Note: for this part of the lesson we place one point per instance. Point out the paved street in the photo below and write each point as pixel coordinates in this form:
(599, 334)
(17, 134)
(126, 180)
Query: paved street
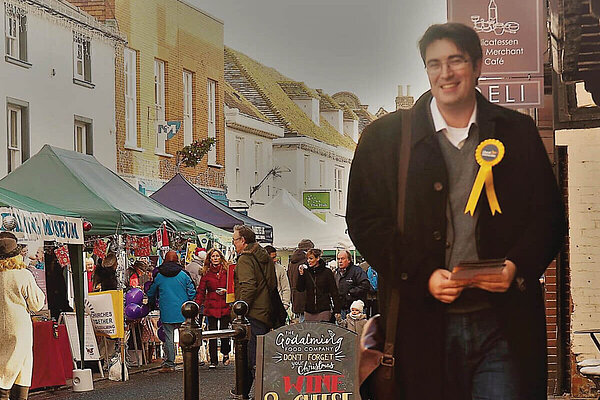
(151, 385)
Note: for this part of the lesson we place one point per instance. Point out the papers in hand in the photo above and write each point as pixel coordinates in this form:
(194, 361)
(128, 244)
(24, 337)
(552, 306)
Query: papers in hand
(469, 269)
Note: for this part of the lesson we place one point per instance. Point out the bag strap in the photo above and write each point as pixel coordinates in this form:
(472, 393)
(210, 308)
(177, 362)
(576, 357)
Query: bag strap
(387, 359)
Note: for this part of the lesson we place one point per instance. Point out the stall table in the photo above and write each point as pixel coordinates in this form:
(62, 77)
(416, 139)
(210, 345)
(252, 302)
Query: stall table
(52, 360)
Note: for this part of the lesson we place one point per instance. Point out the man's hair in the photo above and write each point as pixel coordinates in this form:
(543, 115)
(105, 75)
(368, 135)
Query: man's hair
(315, 252)
(306, 244)
(246, 233)
(464, 37)
(348, 255)
(171, 256)
(270, 249)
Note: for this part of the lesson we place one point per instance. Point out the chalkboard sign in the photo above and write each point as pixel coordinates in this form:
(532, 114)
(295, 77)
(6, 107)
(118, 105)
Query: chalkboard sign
(307, 361)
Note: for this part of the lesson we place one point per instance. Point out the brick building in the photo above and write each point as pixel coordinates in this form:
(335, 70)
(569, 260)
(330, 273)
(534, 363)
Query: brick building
(575, 37)
(170, 71)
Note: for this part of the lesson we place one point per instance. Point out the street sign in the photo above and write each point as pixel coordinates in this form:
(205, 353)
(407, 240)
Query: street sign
(316, 200)
(310, 360)
(513, 40)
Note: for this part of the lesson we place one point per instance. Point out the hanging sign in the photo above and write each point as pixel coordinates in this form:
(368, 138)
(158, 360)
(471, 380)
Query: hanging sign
(513, 39)
(32, 226)
(168, 128)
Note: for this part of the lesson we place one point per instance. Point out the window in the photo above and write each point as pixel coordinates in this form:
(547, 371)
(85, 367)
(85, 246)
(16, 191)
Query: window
(82, 59)
(306, 170)
(239, 145)
(17, 134)
(188, 136)
(82, 136)
(159, 103)
(338, 180)
(131, 138)
(257, 161)
(212, 126)
(15, 32)
(321, 173)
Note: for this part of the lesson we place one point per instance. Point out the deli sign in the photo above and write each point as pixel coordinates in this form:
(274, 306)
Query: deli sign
(513, 39)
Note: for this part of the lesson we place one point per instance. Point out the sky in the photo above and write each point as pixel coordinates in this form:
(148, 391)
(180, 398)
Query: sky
(368, 47)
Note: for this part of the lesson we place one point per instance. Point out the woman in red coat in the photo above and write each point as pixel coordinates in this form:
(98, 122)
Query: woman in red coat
(211, 293)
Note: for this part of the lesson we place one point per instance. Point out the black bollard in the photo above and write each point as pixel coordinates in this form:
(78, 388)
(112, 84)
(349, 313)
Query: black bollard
(241, 326)
(190, 338)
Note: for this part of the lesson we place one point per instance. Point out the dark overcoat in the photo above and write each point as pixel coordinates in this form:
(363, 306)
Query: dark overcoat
(529, 232)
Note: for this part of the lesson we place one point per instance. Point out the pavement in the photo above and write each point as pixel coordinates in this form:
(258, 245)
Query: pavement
(146, 383)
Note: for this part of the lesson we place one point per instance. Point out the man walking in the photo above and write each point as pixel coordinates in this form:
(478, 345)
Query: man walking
(352, 282)
(173, 287)
(480, 338)
(283, 284)
(298, 258)
(254, 274)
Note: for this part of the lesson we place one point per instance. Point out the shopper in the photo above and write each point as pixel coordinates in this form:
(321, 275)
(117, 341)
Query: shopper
(211, 294)
(19, 295)
(173, 287)
(319, 284)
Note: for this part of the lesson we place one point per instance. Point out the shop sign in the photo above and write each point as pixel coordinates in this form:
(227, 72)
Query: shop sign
(316, 200)
(309, 360)
(513, 40)
(32, 226)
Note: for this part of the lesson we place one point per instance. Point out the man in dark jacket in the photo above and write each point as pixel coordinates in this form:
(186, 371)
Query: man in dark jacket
(352, 282)
(298, 258)
(456, 339)
(254, 274)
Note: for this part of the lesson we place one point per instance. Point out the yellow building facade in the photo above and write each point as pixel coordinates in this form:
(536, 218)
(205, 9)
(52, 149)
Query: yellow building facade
(172, 73)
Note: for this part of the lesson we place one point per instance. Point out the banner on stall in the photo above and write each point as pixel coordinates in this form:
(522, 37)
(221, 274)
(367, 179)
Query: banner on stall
(32, 226)
(106, 311)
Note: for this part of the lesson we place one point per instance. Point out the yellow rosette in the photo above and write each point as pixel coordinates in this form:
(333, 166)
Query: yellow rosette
(489, 153)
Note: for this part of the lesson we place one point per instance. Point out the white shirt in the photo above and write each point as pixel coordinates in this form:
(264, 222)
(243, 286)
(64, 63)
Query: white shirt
(456, 136)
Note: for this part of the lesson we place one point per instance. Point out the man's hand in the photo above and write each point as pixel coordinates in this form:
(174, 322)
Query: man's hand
(443, 288)
(496, 283)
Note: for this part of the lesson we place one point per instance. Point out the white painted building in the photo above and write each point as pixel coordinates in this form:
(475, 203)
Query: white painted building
(57, 82)
(248, 158)
(315, 167)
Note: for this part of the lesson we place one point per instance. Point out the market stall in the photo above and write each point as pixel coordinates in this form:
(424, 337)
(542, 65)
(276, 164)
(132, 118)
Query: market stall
(120, 219)
(35, 224)
(292, 222)
(180, 195)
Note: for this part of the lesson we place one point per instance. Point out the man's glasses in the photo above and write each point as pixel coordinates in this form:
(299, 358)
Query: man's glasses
(234, 239)
(456, 63)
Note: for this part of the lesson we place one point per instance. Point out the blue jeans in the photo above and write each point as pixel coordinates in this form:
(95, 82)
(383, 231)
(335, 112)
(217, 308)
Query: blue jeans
(478, 363)
(169, 344)
(256, 328)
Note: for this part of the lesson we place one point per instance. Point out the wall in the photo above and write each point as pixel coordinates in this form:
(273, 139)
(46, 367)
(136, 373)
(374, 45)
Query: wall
(53, 98)
(583, 147)
(185, 38)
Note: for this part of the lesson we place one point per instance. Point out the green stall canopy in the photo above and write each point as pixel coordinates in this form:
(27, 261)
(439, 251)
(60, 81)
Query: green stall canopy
(8, 198)
(79, 183)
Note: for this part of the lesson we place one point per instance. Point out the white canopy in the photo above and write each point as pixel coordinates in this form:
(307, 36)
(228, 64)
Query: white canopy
(292, 222)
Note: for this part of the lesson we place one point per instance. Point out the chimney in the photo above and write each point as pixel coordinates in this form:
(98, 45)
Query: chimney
(404, 101)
